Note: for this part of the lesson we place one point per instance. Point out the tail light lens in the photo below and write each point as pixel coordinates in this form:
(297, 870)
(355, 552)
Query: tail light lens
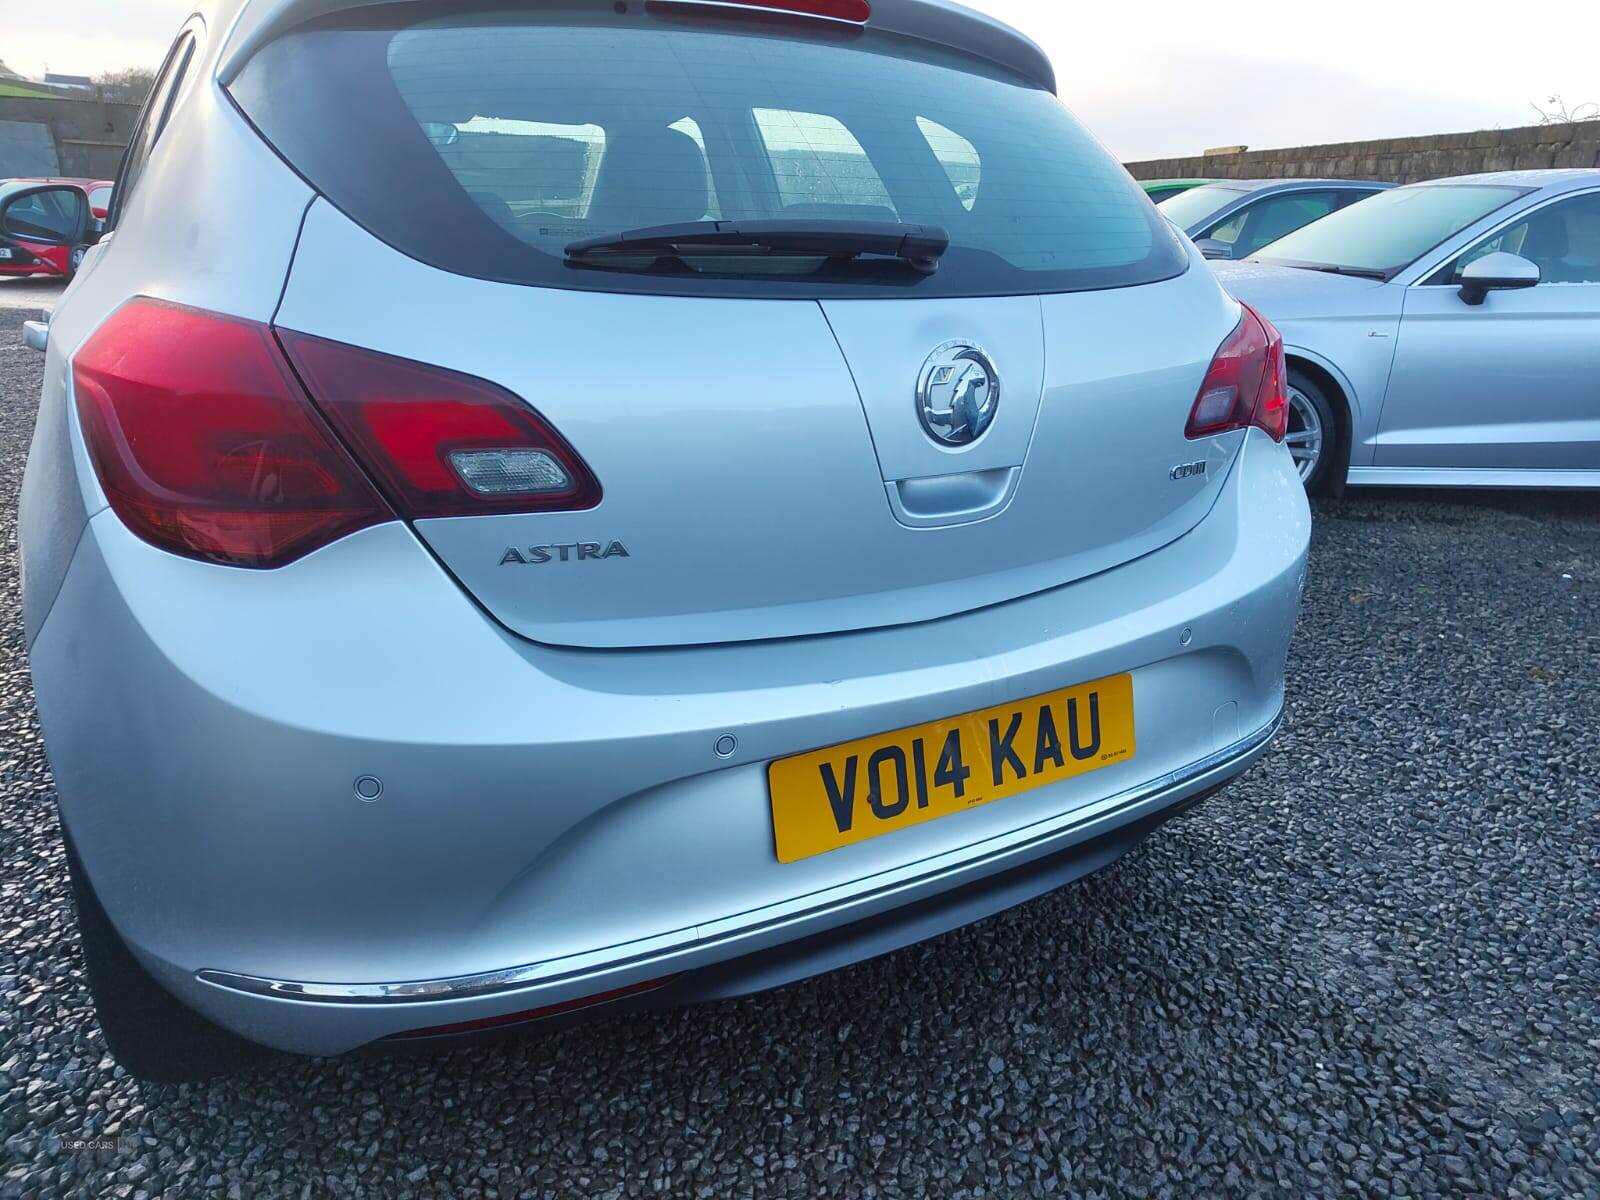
(1245, 384)
(205, 444)
(441, 444)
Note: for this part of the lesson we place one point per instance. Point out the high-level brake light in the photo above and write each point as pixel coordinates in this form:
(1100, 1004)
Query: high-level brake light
(854, 12)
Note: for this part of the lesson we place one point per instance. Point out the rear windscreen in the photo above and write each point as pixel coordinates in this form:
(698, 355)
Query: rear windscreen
(486, 142)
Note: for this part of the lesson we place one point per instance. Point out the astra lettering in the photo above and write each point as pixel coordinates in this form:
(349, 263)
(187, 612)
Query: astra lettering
(568, 552)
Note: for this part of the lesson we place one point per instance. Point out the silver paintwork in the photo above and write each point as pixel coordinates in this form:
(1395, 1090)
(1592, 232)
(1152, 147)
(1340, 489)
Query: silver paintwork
(499, 839)
(838, 432)
(573, 760)
(256, 22)
(1445, 393)
(1047, 837)
(1472, 477)
(1501, 270)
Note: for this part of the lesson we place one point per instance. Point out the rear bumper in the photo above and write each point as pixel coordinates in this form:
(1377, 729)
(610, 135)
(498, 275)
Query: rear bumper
(768, 950)
(45, 261)
(555, 823)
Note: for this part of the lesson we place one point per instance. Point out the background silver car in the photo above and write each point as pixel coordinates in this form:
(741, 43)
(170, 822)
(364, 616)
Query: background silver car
(1445, 333)
(1234, 219)
(685, 539)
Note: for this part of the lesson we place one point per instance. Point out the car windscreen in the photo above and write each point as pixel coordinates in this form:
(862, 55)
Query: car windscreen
(1190, 208)
(1391, 230)
(486, 142)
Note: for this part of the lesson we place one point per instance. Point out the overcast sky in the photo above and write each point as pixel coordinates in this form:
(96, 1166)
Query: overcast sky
(1151, 78)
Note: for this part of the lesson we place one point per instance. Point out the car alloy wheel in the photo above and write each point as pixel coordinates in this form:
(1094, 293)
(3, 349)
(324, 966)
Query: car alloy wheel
(1306, 436)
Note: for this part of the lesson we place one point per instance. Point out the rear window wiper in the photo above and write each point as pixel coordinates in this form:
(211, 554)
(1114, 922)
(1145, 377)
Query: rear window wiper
(918, 246)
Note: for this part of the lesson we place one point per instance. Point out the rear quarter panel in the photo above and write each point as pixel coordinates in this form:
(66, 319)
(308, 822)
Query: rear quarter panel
(212, 223)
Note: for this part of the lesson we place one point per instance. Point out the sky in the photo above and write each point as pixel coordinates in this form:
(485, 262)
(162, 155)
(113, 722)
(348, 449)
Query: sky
(1152, 78)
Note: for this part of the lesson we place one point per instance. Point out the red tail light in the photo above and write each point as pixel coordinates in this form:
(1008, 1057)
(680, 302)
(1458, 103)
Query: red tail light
(439, 443)
(204, 443)
(856, 12)
(1246, 383)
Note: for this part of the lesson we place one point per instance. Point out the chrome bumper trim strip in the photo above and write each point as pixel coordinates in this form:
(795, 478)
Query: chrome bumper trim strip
(661, 949)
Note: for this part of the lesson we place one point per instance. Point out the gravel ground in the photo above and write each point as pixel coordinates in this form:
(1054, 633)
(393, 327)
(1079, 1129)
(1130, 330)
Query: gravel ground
(1373, 967)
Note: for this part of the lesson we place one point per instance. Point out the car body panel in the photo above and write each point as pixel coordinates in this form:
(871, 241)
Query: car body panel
(1511, 384)
(214, 162)
(518, 777)
(830, 389)
(938, 21)
(36, 258)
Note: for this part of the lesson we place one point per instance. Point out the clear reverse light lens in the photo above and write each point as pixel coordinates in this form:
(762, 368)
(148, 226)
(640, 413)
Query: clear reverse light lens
(1215, 406)
(509, 472)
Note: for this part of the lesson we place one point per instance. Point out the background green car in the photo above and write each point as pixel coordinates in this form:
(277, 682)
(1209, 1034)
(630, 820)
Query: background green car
(1160, 189)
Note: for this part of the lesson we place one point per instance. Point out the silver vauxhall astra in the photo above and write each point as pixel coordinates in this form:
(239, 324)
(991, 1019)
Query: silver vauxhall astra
(611, 505)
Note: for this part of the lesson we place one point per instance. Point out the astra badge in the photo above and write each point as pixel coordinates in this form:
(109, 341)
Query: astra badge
(533, 556)
(958, 394)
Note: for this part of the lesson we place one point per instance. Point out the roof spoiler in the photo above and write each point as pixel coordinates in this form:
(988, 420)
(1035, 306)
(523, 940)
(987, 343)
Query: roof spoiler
(939, 21)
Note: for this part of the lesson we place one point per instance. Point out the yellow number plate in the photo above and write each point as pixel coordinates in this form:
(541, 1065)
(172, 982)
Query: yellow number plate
(855, 791)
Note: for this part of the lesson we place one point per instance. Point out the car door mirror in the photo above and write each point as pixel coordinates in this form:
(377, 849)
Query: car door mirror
(1495, 272)
(48, 216)
(441, 133)
(1212, 248)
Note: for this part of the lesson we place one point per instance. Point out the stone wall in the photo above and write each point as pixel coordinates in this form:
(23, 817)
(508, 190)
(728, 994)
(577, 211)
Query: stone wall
(1400, 160)
(88, 134)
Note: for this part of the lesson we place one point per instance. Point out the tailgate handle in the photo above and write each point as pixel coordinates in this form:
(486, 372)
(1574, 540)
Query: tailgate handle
(957, 499)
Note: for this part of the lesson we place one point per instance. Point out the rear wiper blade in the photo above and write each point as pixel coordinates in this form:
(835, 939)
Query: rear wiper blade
(918, 246)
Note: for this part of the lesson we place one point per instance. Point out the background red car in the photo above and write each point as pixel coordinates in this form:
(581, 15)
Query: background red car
(19, 254)
(98, 191)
